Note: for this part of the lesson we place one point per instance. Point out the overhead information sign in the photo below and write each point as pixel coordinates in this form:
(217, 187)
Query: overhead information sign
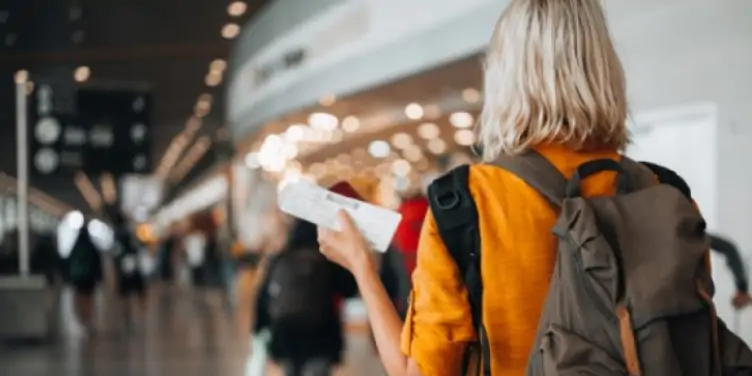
(107, 131)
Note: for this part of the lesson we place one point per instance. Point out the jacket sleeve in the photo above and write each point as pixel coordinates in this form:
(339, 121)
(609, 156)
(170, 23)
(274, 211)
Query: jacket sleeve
(733, 260)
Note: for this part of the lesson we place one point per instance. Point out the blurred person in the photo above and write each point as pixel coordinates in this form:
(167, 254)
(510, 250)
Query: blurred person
(167, 259)
(45, 258)
(554, 99)
(735, 264)
(131, 281)
(85, 273)
(300, 301)
(195, 251)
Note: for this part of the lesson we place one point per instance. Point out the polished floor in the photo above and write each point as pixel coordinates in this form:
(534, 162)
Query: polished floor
(182, 333)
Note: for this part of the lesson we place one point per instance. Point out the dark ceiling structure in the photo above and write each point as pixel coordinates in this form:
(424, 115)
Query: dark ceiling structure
(164, 45)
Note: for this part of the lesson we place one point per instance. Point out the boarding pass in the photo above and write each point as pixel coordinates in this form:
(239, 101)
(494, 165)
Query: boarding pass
(307, 201)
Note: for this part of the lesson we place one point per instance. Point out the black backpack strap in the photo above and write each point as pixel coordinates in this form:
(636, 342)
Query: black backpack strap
(456, 217)
(668, 176)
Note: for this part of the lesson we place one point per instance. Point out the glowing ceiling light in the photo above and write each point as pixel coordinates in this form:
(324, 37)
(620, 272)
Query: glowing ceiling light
(218, 65)
(428, 131)
(289, 151)
(21, 76)
(328, 100)
(82, 73)
(251, 160)
(414, 111)
(379, 149)
(213, 79)
(350, 124)
(323, 120)
(272, 142)
(237, 8)
(401, 168)
(295, 133)
(471, 95)
(461, 120)
(437, 146)
(230, 31)
(464, 137)
(413, 153)
(402, 140)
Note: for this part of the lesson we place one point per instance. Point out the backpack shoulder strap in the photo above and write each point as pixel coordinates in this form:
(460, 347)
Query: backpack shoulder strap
(668, 176)
(456, 218)
(539, 173)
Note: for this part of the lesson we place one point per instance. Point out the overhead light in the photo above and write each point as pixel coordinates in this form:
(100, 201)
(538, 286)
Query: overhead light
(461, 120)
(413, 153)
(21, 76)
(213, 79)
(428, 131)
(237, 8)
(289, 151)
(437, 146)
(323, 120)
(251, 160)
(230, 31)
(272, 142)
(295, 133)
(464, 137)
(203, 105)
(402, 140)
(192, 125)
(401, 168)
(328, 100)
(379, 149)
(218, 65)
(414, 111)
(471, 95)
(82, 73)
(350, 124)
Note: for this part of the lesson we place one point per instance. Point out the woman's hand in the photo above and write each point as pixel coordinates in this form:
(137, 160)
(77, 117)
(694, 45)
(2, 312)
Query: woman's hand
(346, 247)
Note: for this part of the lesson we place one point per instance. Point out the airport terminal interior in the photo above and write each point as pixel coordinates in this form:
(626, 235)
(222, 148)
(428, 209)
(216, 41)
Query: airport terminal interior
(160, 135)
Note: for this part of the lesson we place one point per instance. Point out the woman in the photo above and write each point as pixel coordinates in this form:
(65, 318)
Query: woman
(85, 273)
(302, 347)
(553, 84)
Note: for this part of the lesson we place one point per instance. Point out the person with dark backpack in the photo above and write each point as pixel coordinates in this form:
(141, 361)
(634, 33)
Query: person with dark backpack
(300, 302)
(85, 274)
(558, 255)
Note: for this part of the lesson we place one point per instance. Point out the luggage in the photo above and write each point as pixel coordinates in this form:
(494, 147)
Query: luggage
(300, 290)
(631, 293)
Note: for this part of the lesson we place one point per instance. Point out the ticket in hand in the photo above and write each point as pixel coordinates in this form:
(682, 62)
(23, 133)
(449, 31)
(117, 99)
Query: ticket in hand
(307, 201)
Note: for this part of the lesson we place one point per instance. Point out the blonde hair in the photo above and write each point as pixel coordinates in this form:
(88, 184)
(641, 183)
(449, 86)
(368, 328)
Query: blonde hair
(552, 76)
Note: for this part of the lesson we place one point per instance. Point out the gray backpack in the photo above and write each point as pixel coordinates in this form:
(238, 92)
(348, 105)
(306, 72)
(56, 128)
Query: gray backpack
(631, 293)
